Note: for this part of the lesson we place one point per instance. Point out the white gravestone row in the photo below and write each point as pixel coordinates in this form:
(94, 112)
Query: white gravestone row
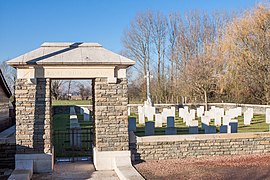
(146, 111)
(167, 117)
(222, 118)
(200, 111)
(189, 118)
(167, 112)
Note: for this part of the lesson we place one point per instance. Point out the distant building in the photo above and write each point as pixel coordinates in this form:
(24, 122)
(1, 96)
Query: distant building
(6, 108)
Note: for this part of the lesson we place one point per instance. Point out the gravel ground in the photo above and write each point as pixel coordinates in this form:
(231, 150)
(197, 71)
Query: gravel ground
(219, 167)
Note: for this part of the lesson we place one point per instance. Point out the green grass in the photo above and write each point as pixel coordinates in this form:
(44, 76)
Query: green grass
(71, 102)
(61, 136)
(257, 125)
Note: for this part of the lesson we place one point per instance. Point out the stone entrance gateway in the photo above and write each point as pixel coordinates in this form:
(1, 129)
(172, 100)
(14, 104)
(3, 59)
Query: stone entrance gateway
(37, 68)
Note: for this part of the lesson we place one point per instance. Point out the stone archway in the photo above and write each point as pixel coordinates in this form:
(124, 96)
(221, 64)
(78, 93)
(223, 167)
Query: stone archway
(35, 70)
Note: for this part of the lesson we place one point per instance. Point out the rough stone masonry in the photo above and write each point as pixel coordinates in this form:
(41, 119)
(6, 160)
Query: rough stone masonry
(33, 116)
(110, 112)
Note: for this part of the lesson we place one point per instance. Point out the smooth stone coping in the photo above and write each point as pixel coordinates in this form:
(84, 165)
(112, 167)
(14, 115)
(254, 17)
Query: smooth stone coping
(190, 137)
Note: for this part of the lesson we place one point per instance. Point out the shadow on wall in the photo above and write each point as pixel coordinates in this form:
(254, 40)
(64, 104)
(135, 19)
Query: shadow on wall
(39, 116)
(135, 156)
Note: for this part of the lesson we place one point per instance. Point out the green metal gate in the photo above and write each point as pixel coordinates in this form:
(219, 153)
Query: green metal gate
(73, 144)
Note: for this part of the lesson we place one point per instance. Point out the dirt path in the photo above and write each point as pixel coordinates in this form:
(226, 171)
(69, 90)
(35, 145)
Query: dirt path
(223, 167)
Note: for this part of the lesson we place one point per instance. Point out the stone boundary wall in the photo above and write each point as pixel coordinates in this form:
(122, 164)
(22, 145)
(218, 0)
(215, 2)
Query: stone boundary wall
(257, 109)
(159, 107)
(181, 146)
(7, 153)
(64, 109)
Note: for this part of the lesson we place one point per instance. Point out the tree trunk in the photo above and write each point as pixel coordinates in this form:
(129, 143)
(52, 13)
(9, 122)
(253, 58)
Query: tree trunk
(205, 100)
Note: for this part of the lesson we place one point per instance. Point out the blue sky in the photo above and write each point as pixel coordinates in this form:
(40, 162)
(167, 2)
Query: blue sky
(25, 24)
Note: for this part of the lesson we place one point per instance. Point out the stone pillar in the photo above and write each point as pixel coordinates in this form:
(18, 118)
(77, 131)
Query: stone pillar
(33, 121)
(111, 121)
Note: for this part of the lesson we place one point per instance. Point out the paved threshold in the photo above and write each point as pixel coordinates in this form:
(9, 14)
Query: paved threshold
(78, 171)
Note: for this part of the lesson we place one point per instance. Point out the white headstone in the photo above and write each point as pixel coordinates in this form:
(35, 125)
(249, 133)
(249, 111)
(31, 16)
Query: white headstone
(86, 114)
(205, 121)
(141, 118)
(247, 117)
(267, 115)
(158, 120)
(140, 109)
(150, 112)
(200, 111)
(226, 120)
(188, 119)
(193, 113)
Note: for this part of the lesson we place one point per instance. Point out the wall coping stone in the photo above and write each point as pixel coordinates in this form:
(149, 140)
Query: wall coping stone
(171, 138)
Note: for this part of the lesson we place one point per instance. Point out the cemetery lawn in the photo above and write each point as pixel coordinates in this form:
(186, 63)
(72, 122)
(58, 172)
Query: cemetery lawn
(61, 122)
(71, 102)
(257, 125)
(211, 167)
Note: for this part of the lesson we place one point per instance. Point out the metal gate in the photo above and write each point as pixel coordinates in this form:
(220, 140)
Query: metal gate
(73, 144)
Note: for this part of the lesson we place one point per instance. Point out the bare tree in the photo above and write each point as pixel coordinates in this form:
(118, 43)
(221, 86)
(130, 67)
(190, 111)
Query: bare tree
(246, 48)
(56, 88)
(84, 91)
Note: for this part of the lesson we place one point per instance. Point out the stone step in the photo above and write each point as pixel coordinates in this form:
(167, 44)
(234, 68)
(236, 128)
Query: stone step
(21, 174)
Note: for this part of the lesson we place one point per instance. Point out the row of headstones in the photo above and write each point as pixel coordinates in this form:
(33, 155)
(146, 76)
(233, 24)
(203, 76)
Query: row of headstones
(224, 119)
(75, 129)
(149, 128)
(149, 112)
